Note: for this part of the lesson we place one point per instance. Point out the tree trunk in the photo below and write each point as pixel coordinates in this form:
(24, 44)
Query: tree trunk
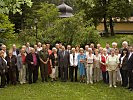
(106, 33)
(111, 27)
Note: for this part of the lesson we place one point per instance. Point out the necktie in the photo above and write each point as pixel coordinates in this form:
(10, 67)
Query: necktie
(73, 58)
(63, 53)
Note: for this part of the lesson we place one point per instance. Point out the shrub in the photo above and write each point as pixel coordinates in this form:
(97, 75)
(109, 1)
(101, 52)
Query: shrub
(128, 38)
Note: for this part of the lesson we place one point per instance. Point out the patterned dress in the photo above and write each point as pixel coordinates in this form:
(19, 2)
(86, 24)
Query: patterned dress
(81, 66)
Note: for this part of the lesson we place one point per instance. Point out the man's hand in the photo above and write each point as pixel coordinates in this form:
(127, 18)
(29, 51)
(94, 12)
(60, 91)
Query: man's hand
(32, 63)
(4, 71)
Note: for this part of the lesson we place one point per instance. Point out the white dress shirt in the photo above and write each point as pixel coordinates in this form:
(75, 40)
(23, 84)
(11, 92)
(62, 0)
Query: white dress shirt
(39, 48)
(130, 55)
(15, 53)
(74, 62)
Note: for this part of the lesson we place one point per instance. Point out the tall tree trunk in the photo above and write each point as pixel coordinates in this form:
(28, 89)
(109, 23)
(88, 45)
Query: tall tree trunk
(111, 27)
(105, 26)
(105, 19)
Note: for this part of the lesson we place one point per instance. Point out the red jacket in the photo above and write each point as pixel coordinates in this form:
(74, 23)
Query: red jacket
(103, 59)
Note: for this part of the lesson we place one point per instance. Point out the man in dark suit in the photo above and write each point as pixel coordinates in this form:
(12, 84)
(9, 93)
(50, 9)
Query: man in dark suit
(16, 52)
(70, 52)
(32, 60)
(44, 58)
(58, 50)
(63, 59)
(130, 68)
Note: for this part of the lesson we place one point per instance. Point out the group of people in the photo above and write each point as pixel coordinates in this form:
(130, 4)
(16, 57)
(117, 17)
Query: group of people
(92, 64)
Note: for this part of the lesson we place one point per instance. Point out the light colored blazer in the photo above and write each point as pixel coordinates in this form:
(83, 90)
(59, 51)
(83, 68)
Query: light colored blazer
(19, 62)
(112, 63)
(74, 61)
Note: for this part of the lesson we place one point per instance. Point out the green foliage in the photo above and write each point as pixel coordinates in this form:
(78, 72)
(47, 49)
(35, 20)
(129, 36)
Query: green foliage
(13, 5)
(6, 29)
(119, 8)
(47, 15)
(112, 8)
(93, 9)
(27, 35)
(73, 31)
(129, 39)
(106, 9)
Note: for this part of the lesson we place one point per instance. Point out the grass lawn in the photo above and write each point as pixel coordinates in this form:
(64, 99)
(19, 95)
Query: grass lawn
(64, 91)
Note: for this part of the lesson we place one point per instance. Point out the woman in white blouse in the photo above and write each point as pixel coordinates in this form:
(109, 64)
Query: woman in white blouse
(112, 65)
(97, 59)
(119, 79)
(89, 69)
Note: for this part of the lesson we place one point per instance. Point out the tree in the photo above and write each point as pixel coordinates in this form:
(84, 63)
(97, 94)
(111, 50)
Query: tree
(96, 9)
(73, 31)
(105, 10)
(6, 29)
(47, 15)
(116, 9)
(14, 6)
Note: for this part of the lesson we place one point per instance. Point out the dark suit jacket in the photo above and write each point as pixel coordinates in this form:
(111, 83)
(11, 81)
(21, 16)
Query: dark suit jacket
(130, 63)
(17, 51)
(12, 64)
(63, 60)
(29, 59)
(3, 65)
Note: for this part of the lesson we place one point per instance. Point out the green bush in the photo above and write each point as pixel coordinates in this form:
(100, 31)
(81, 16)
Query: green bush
(128, 38)
(73, 31)
(6, 30)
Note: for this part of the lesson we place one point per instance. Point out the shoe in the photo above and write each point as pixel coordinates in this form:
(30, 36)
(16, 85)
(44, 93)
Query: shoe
(71, 80)
(91, 82)
(21, 83)
(115, 86)
(46, 80)
(52, 80)
(83, 81)
(24, 82)
(88, 82)
(76, 80)
(130, 89)
(2, 86)
(80, 81)
(110, 86)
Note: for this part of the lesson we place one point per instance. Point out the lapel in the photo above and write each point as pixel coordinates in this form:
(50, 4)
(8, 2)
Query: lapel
(131, 56)
(63, 54)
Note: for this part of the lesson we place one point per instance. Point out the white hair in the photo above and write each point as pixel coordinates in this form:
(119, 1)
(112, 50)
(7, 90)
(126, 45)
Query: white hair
(56, 44)
(73, 48)
(104, 49)
(3, 46)
(81, 49)
(54, 49)
(90, 49)
(125, 42)
(86, 46)
(114, 43)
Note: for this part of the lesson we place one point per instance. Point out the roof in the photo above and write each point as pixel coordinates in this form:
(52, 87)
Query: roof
(65, 10)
